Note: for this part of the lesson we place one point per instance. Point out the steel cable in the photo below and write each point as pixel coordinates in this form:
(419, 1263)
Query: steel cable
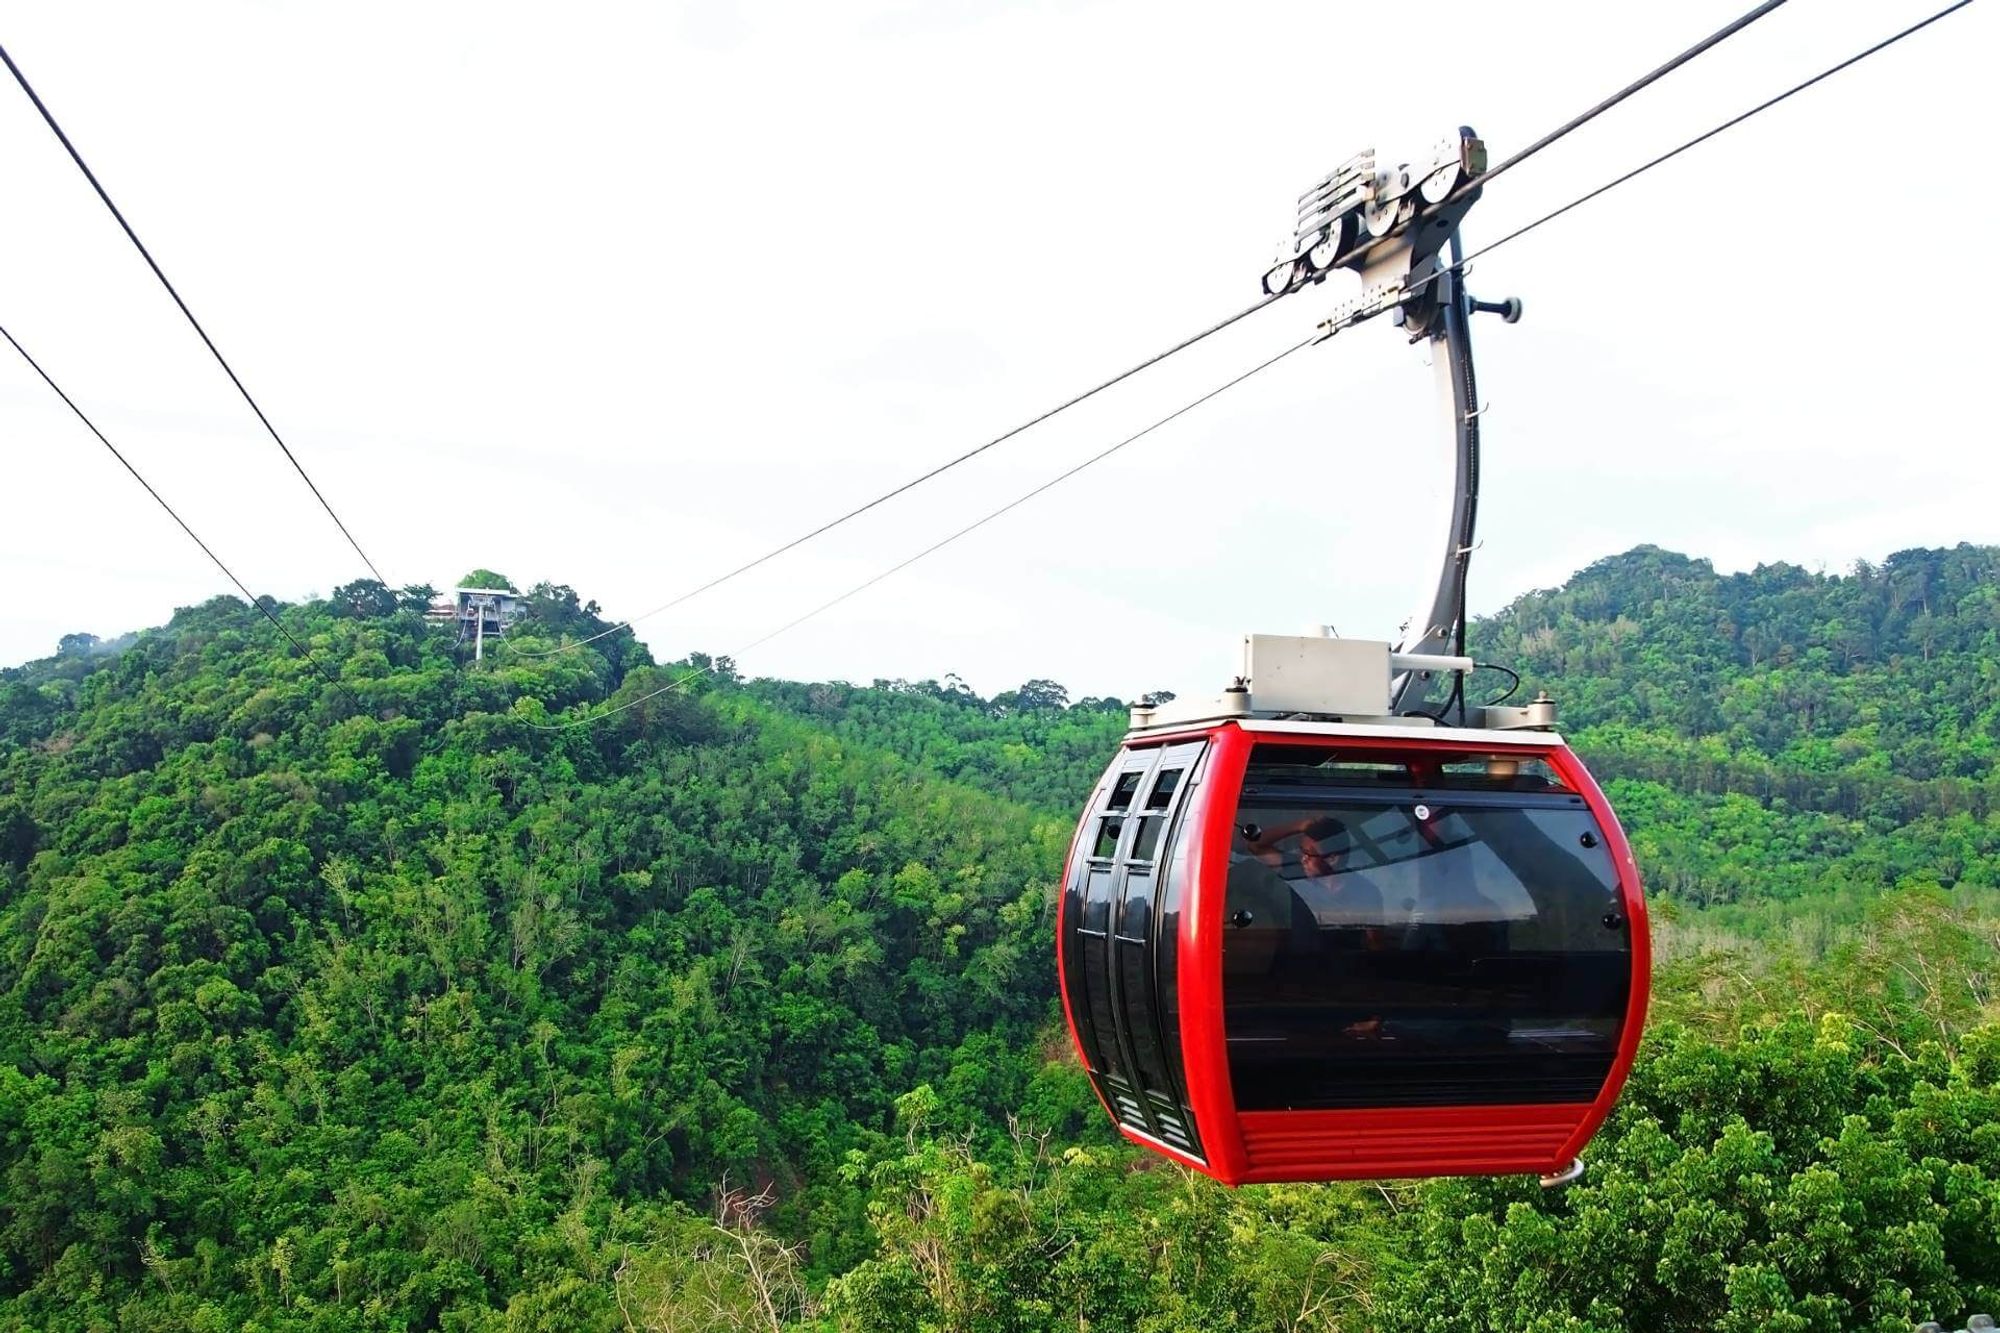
(214, 351)
(1575, 122)
(941, 543)
(248, 596)
(1457, 265)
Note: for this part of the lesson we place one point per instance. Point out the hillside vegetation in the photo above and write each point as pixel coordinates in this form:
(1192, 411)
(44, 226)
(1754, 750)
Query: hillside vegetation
(399, 1004)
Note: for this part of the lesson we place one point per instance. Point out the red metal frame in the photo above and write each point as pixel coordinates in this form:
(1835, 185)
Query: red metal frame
(1358, 1144)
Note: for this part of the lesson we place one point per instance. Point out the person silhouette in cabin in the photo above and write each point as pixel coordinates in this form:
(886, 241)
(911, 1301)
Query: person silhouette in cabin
(1291, 918)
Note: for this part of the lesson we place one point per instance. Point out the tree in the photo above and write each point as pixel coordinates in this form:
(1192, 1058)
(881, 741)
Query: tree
(1035, 696)
(434, 1014)
(1796, 1181)
(416, 597)
(485, 578)
(365, 599)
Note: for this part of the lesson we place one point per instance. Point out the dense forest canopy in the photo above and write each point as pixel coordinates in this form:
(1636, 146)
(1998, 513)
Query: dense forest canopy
(392, 1004)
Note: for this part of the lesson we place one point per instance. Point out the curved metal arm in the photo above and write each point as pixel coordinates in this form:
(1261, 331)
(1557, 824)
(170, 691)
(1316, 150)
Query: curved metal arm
(1409, 216)
(1438, 623)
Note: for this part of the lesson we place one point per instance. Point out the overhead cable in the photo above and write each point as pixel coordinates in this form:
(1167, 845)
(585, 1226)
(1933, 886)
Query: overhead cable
(1699, 139)
(909, 485)
(682, 681)
(941, 543)
(248, 596)
(215, 351)
(1713, 39)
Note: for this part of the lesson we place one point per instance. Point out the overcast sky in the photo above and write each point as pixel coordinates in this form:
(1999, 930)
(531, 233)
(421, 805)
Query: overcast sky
(619, 296)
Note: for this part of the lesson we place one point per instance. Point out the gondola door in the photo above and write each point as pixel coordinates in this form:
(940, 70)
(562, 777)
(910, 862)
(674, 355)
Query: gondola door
(1113, 942)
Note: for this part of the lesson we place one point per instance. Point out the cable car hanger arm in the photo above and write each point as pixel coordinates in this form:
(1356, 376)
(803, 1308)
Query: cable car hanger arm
(1393, 227)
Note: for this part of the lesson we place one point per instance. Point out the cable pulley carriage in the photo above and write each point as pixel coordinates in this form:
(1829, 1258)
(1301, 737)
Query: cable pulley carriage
(1311, 930)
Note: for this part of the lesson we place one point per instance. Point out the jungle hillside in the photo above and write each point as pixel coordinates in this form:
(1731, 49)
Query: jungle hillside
(407, 997)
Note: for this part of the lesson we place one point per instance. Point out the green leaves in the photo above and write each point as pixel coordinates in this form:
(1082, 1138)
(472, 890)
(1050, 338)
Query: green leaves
(410, 1014)
(328, 1009)
(1791, 1181)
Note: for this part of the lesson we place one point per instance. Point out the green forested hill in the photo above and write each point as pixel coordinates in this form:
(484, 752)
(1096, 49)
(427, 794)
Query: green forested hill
(1776, 735)
(384, 1006)
(1782, 734)
(1029, 745)
(374, 987)
(1876, 691)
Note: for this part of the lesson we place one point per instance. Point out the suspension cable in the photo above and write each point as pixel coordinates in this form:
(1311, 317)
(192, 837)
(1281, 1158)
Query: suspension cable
(682, 681)
(248, 596)
(1659, 72)
(909, 485)
(1698, 139)
(1507, 164)
(214, 351)
(1715, 38)
(942, 542)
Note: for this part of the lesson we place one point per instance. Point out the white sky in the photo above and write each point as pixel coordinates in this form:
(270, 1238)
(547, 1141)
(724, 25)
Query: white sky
(622, 295)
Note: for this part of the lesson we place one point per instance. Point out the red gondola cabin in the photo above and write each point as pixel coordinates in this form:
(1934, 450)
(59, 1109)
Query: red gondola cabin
(1313, 950)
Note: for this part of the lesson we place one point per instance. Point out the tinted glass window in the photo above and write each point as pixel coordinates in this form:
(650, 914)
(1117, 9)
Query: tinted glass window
(1075, 981)
(1115, 963)
(1147, 844)
(1089, 984)
(1497, 771)
(1411, 935)
(1097, 902)
(1172, 893)
(1135, 914)
(1139, 1016)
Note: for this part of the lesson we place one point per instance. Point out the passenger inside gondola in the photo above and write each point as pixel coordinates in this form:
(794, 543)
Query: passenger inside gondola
(1297, 915)
(1271, 923)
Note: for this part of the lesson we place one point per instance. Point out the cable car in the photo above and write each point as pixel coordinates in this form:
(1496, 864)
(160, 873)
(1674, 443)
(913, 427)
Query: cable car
(1318, 928)
(1310, 951)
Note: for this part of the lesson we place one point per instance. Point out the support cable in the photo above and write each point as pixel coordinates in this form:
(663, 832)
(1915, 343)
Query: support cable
(1516, 159)
(1699, 139)
(1457, 265)
(248, 596)
(909, 485)
(215, 351)
(941, 543)
(1659, 72)
(1715, 38)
